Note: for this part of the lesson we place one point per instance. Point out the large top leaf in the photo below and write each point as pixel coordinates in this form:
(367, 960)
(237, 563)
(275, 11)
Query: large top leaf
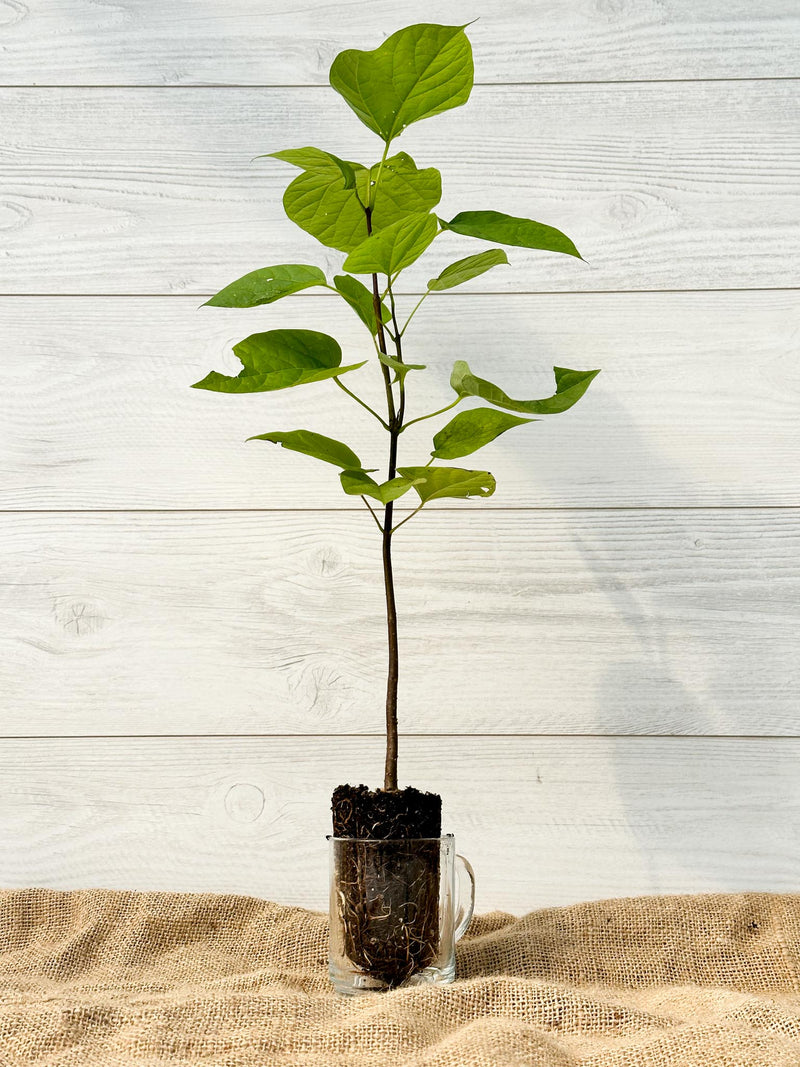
(279, 359)
(419, 71)
(267, 284)
(395, 247)
(321, 202)
(433, 483)
(570, 387)
(510, 230)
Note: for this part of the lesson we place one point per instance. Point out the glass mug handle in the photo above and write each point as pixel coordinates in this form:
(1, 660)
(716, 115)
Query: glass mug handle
(465, 892)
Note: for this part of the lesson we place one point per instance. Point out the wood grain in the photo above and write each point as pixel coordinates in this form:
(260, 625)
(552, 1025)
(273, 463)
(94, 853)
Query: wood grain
(643, 622)
(662, 186)
(257, 627)
(545, 821)
(698, 402)
(78, 42)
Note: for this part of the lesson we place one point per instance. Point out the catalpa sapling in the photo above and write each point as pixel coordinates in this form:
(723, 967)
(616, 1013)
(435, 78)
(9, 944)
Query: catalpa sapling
(383, 218)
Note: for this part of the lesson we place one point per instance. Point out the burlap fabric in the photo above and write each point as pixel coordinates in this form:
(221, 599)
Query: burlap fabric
(99, 977)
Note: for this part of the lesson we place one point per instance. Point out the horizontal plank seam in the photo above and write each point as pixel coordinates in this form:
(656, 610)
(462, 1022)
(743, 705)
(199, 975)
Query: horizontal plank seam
(324, 85)
(429, 511)
(448, 296)
(404, 736)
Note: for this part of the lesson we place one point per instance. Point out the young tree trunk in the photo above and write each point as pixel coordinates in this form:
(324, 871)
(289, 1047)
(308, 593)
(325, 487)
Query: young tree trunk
(395, 425)
(390, 772)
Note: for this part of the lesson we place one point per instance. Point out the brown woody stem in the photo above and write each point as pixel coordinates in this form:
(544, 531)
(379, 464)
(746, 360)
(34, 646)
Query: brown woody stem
(395, 425)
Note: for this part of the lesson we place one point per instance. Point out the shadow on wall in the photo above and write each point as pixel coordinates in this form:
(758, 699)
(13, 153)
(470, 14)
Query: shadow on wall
(716, 807)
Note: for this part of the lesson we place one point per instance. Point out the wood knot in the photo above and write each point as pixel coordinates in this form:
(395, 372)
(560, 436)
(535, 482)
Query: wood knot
(626, 209)
(12, 12)
(322, 689)
(326, 52)
(612, 9)
(13, 216)
(244, 802)
(327, 561)
(79, 617)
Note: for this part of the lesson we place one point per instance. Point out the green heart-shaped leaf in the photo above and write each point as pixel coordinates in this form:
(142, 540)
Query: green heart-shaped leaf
(318, 202)
(321, 202)
(280, 359)
(359, 483)
(463, 270)
(509, 230)
(395, 247)
(570, 387)
(266, 285)
(419, 71)
(437, 482)
(313, 444)
(361, 300)
(471, 430)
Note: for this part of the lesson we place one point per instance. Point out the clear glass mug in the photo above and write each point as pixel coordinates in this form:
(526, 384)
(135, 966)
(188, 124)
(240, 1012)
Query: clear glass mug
(397, 909)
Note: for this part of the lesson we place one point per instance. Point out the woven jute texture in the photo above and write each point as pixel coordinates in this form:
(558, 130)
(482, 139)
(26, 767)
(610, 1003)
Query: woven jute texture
(100, 977)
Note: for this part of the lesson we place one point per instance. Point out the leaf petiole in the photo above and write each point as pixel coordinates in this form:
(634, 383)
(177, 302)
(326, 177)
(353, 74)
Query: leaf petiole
(363, 403)
(414, 311)
(409, 516)
(374, 189)
(372, 513)
(433, 414)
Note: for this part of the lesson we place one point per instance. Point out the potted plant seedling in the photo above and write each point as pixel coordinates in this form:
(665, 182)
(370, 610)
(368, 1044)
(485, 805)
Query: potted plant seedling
(388, 906)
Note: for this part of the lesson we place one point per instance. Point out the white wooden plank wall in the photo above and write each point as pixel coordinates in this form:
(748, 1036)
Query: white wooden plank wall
(600, 664)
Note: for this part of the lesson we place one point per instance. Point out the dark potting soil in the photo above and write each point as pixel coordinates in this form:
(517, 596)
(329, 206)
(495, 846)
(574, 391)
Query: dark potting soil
(376, 813)
(388, 895)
